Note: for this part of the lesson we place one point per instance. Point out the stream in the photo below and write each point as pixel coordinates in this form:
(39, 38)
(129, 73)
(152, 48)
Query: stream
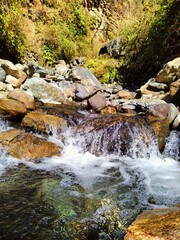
(81, 195)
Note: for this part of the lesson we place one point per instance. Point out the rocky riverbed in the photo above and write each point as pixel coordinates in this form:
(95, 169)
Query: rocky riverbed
(38, 103)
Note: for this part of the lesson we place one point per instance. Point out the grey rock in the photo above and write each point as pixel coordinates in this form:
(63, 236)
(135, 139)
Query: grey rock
(97, 102)
(114, 48)
(33, 67)
(84, 76)
(43, 91)
(156, 85)
(2, 75)
(82, 92)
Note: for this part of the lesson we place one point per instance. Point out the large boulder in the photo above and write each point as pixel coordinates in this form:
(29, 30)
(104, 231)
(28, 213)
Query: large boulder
(157, 224)
(164, 111)
(86, 83)
(114, 133)
(13, 70)
(22, 145)
(12, 109)
(83, 92)
(170, 72)
(43, 91)
(44, 122)
(113, 48)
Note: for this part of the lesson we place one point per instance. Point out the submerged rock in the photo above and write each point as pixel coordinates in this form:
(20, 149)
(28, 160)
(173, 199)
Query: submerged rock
(22, 145)
(116, 133)
(157, 224)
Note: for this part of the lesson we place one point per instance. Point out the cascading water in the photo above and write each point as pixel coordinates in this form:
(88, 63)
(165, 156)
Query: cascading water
(98, 185)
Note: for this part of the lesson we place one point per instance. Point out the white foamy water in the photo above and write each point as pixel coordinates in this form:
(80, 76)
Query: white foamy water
(160, 173)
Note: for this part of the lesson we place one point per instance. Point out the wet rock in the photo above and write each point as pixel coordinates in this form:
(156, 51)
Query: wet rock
(97, 102)
(159, 224)
(170, 72)
(44, 122)
(114, 133)
(12, 70)
(161, 130)
(12, 109)
(43, 91)
(159, 110)
(21, 96)
(109, 110)
(173, 112)
(164, 111)
(22, 145)
(68, 112)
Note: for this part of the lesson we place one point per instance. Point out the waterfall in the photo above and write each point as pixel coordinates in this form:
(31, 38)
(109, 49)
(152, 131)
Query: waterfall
(107, 173)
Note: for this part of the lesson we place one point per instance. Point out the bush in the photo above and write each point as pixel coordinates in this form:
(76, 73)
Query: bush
(13, 41)
(151, 44)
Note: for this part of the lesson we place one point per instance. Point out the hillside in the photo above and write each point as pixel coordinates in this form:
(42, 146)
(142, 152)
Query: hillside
(49, 30)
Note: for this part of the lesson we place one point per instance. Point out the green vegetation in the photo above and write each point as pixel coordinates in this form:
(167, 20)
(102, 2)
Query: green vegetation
(56, 29)
(105, 68)
(11, 36)
(151, 41)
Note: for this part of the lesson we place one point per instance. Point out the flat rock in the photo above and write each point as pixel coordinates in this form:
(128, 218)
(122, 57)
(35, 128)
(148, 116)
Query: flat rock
(22, 145)
(157, 224)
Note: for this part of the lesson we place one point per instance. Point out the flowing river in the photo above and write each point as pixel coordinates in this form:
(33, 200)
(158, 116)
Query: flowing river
(85, 196)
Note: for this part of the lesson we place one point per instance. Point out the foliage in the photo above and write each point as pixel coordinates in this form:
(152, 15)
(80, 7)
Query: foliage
(104, 68)
(11, 37)
(151, 42)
